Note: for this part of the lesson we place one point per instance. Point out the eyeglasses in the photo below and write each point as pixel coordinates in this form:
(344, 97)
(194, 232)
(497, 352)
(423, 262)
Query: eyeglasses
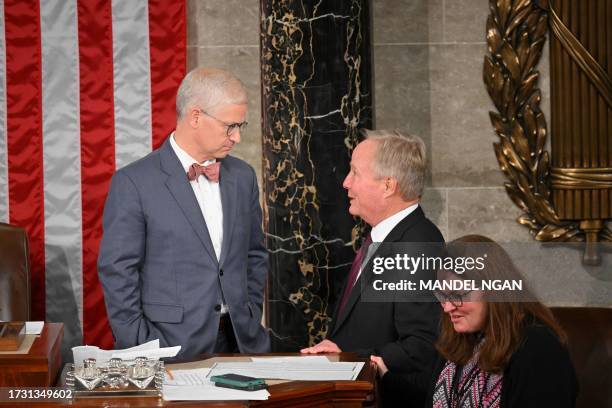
(455, 299)
(231, 127)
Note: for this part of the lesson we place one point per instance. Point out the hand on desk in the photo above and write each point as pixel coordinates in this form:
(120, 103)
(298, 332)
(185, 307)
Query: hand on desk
(326, 346)
(380, 365)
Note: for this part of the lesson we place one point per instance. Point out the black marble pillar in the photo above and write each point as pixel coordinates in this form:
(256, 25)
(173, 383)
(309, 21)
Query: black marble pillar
(316, 95)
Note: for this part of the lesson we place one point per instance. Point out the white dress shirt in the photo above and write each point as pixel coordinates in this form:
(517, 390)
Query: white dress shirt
(382, 229)
(208, 195)
(209, 199)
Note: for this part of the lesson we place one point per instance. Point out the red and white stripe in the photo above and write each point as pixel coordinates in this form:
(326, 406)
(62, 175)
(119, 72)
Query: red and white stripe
(86, 87)
(3, 141)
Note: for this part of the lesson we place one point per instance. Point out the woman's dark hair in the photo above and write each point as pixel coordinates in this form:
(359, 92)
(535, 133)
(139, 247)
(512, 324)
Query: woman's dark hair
(505, 321)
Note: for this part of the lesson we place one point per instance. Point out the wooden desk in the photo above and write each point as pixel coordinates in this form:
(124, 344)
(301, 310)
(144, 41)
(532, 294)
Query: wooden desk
(289, 394)
(40, 366)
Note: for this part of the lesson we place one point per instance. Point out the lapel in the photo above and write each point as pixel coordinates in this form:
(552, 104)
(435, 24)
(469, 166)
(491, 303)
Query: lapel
(395, 235)
(228, 184)
(181, 190)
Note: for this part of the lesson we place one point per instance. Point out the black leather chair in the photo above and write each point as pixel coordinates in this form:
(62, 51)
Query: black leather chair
(14, 274)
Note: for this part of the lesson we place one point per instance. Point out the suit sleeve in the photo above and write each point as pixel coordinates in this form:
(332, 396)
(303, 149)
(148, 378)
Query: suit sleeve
(257, 267)
(416, 323)
(121, 257)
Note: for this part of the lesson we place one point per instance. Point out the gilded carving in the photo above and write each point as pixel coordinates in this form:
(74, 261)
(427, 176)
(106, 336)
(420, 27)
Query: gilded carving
(516, 32)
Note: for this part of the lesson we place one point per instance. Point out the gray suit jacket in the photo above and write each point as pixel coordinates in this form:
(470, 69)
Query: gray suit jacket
(157, 265)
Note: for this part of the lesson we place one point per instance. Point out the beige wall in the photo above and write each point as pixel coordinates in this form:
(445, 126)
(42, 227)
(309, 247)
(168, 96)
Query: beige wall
(428, 57)
(225, 34)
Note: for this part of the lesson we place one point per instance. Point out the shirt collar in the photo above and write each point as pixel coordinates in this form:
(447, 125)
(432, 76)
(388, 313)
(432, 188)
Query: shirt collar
(184, 157)
(383, 228)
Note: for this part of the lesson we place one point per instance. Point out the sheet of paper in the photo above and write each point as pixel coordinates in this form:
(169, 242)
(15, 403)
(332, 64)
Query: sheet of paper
(197, 376)
(211, 393)
(105, 355)
(194, 385)
(149, 349)
(292, 360)
(291, 371)
(34, 327)
(152, 354)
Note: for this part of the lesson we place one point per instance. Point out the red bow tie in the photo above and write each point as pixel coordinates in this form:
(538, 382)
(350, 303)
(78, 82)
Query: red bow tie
(211, 172)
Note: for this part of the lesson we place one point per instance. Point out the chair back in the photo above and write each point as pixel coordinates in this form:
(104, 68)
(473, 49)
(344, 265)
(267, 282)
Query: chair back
(589, 337)
(14, 273)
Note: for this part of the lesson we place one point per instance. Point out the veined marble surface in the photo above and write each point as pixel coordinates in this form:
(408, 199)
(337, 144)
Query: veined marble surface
(316, 94)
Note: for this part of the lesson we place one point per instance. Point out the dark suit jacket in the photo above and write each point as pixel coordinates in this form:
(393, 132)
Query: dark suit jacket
(160, 275)
(402, 333)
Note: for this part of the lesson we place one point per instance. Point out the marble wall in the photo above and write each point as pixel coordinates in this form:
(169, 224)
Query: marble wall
(428, 57)
(317, 95)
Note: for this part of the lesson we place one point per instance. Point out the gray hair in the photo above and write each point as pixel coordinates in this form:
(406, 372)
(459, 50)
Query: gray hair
(208, 88)
(402, 157)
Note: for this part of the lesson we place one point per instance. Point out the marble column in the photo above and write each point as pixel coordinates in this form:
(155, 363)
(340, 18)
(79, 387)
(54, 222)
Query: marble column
(316, 95)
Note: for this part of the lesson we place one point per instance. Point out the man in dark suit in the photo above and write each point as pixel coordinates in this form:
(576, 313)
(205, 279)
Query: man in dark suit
(384, 185)
(182, 257)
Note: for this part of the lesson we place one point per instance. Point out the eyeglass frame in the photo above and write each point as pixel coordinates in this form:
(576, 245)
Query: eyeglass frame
(443, 297)
(231, 127)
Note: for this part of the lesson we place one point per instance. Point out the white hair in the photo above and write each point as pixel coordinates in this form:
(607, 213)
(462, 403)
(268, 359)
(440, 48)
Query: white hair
(208, 88)
(402, 157)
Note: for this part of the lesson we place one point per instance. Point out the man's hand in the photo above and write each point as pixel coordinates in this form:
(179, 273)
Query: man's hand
(326, 346)
(380, 365)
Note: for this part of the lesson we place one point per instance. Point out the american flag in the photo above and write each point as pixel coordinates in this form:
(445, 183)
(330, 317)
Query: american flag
(86, 87)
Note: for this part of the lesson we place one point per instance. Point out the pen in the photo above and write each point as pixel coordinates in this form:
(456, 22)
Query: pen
(169, 373)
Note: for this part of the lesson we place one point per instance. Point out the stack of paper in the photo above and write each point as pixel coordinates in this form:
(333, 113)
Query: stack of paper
(315, 368)
(194, 385)
(150, 350)
(34, 327)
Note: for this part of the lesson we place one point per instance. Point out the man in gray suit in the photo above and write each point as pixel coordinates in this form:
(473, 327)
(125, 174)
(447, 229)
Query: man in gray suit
(182, 256)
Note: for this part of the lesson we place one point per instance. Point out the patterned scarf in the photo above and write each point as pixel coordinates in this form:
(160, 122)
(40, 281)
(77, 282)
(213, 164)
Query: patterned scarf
(474, 388)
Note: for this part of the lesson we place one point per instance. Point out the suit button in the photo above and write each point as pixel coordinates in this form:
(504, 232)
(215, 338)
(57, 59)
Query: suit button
(217, 308)
(221, 272)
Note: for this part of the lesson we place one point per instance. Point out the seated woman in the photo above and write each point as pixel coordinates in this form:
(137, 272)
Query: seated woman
(497, 348)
